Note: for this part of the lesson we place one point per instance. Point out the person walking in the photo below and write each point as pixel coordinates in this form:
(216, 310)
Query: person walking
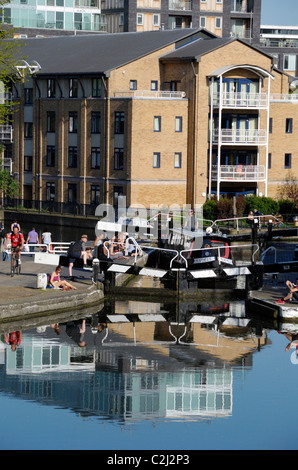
(32, 239)
(46, 239)
(2, 238)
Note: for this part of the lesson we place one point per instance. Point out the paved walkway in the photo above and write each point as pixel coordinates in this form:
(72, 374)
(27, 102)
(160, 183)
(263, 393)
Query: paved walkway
(24, 286)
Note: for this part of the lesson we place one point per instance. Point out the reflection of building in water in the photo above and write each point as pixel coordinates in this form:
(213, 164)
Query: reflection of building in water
(137, 371)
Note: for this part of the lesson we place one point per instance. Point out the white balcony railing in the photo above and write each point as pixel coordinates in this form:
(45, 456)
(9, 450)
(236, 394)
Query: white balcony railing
(239, 173)
(6, 133)
(293, 98)
(241, 137)
(241, 100)
(149, 94)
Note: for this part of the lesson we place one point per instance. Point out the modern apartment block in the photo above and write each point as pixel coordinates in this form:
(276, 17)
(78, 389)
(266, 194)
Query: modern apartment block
(165, 117)
(282, 43)
(225, 18)
(45, 16)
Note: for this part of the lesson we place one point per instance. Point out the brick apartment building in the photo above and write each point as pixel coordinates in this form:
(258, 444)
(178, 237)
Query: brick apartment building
(162, 117)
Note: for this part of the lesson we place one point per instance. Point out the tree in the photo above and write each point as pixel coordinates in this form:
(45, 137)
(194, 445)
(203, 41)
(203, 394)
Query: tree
(289, 190)
(8, 186)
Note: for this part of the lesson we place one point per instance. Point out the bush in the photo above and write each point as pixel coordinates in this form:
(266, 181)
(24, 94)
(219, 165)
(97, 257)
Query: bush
(286, 206)
(266, 205)
(210, 210)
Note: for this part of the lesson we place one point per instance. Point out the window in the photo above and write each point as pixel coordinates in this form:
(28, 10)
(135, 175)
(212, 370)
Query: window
(118, 191)
(133, 84)
(157, 123)
(50, 191)
(72, 157)
(218, 23)
(51, 88)
(269, 160)
(155, 19)
(28, 163)
(177, 160)
(156, 160)
(154, 85)
(289, 126)
(51, 121)
(118, 158)
(178, 124)
(290, 62)
(288, 158)
(139, 19)
(73, 87)
(95, 122)
(95, 195)
(28, 130)
(202, 21)
(95, 158)
(270, 125)
(72, 193)
(96, 87)
(73, 122)
(119, 122)
(28, 95)
(50, 161)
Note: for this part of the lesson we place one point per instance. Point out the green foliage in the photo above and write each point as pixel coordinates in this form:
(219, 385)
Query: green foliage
(266, 205)
(286, 206)
(8, 185)
(210, 210)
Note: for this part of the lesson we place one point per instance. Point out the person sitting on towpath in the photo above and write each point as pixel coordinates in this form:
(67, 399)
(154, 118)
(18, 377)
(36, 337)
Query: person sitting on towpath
(76, 251)
(293, 288)
(56, 282)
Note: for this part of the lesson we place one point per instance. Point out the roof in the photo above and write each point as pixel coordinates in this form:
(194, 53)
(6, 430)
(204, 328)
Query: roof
(96, 53)
(256, 69)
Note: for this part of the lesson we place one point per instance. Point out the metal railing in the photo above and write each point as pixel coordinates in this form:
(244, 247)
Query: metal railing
(149, 94)
(241, 100)
(241, 137)
(239, 172)
(216, 249)
(293, 97)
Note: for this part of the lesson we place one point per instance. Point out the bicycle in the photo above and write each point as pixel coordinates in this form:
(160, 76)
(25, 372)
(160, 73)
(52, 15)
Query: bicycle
(15, 267)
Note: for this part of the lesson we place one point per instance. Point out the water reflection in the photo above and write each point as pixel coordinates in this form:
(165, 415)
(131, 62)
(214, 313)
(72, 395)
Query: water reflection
(134, 360)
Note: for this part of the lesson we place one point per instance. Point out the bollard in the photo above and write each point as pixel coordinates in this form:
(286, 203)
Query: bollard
(270, 229)
(95, 267)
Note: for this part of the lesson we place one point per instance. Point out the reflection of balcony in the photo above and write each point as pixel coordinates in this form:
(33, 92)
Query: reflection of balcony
(232, 173)
(241, 100)
(6, 133)
(240, 137)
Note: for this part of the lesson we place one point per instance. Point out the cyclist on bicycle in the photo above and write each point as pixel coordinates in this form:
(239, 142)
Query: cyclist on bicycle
(17, 242)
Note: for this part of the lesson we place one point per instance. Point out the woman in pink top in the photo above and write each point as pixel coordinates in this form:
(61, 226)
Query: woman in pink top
(55, 280)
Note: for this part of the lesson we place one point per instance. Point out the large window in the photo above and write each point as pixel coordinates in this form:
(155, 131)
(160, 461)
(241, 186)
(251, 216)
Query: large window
(72, 193)
(51, 121)
(51, 88)
(50, 191)
(72, 157)
(290, 62)
(96, 87)
(95, 158)
(73, 122)
(95, 122)
(119, 122)
(95, 195)
(73, 87)
(118, 159)
(50, 156)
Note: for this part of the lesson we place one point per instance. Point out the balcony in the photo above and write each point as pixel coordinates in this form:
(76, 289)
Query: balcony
(241, 100)
(240, 137)
(230, 173)
(284, 98)
(6, 133)
(182, 6)
(7, 165)
(148, 94)
(87, 4)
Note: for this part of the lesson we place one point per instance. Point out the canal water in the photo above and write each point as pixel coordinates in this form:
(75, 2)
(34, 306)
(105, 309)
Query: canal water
(133, 375)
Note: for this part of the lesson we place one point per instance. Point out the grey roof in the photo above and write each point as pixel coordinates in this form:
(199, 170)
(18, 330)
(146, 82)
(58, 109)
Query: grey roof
(96, 53)
(198, 48)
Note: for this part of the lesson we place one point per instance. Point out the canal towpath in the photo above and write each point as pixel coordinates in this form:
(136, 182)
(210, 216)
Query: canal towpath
(19, 295)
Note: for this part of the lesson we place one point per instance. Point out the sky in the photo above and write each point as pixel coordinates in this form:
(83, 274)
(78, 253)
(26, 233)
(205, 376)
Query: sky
(283, 13)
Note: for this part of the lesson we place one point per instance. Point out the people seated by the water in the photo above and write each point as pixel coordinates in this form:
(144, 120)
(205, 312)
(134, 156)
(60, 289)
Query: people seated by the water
(56, 282)
(98, 240)
(131, 248)
(293, 292)
(89, 253)
(76, 251)
(191, 223)
(115, 250)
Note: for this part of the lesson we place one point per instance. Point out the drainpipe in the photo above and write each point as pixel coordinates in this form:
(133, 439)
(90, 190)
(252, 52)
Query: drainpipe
(193, 187)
